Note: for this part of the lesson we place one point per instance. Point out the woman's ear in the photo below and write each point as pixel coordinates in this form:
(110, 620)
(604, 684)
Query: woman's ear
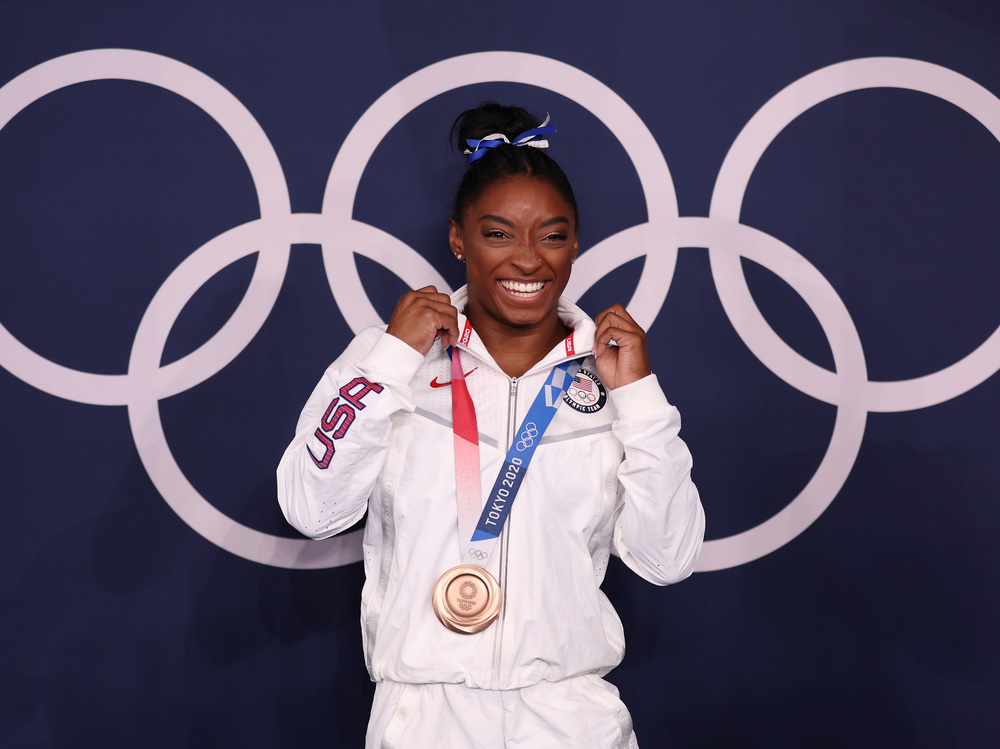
(455, 239)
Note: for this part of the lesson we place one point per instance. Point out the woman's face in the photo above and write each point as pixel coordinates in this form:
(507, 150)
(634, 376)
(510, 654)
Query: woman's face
(519, 241)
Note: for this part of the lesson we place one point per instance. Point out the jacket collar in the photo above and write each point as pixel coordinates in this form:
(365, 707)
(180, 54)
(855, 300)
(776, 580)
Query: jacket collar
(579, 343)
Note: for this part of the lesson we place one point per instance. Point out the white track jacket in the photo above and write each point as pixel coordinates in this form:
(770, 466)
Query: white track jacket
(610, 473)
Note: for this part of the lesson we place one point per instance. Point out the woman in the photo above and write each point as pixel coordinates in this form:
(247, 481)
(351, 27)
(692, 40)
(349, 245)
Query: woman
(483, 624)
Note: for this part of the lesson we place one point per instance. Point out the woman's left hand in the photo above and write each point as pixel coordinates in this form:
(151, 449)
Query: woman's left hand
(627, 361)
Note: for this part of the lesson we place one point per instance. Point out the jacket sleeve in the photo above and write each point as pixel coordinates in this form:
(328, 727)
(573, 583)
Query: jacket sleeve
(333, 463)
(660, 524)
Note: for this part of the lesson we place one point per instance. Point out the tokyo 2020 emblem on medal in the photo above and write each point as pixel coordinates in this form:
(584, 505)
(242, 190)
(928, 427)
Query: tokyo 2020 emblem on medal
(467, 599)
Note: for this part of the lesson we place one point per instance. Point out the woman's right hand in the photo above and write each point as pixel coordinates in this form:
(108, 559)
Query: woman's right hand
(423, 316)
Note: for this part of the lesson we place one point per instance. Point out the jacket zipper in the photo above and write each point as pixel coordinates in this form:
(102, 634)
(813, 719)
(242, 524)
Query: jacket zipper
(504, 544)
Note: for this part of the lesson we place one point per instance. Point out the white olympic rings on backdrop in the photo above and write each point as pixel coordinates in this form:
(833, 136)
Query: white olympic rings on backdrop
(341, 236)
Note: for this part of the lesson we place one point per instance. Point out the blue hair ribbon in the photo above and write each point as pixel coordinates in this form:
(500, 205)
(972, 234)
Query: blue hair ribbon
(527, 138)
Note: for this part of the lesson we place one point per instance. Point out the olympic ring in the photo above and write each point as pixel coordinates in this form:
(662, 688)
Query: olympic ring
(582, 395)
(478, 554)
(727, 240)
(527, 438)
(483, 67)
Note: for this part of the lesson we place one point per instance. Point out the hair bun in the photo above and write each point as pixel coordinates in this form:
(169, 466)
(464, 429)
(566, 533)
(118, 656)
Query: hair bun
(496, 163)
(489, 118)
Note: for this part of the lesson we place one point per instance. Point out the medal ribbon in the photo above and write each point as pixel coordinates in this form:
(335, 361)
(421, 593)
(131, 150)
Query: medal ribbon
(477, 539)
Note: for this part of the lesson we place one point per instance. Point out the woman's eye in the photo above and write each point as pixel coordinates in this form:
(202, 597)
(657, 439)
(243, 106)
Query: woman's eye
(556, 238)
(494, 234)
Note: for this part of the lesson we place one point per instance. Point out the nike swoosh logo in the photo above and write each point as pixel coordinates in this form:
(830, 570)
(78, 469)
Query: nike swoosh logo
(436, 384)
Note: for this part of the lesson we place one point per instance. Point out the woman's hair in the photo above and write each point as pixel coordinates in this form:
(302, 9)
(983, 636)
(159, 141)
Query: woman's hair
(504, 161)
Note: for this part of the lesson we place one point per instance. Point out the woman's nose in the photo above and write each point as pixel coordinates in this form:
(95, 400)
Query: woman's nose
(525, 257)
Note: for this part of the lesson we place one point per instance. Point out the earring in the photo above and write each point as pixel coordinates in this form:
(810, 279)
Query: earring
(460, 256)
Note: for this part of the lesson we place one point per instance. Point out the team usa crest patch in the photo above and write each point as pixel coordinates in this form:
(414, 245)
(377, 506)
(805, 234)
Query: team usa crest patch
(587, 393)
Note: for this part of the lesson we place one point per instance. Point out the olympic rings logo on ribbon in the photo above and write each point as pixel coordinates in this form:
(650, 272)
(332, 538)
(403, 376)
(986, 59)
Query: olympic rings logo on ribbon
(846, 386)
(478, 554)
(527, 437)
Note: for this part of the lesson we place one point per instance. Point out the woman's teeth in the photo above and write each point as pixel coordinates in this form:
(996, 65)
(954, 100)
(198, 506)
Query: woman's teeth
(519, 288)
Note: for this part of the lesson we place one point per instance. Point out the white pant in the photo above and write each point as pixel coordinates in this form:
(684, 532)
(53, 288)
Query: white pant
(582, 712)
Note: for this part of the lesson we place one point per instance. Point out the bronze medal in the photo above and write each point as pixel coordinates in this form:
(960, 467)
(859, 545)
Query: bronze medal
(466, 599)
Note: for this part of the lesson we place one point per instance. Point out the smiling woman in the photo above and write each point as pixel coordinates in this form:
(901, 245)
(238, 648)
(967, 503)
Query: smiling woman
(518, 246)
(484, 626)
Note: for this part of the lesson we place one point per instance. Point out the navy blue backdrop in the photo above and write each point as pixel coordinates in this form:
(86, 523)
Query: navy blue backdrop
(201, 201)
